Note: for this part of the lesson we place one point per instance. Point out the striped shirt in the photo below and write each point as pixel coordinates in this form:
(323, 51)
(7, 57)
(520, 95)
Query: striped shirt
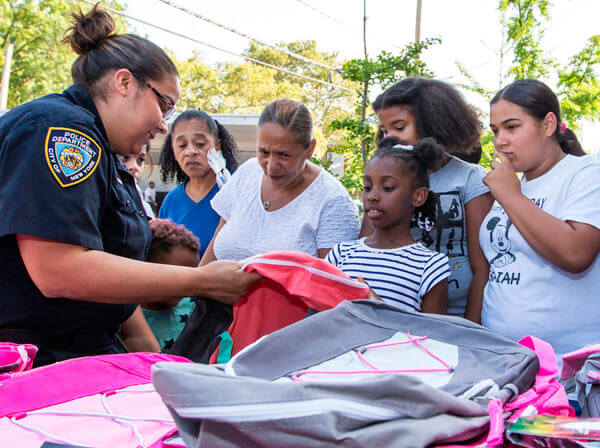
(401, 276)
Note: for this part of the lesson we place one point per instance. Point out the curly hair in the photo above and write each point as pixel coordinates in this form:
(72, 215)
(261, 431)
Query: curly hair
(166, 235)
(439, 110)
(170, 169)
(425, 155)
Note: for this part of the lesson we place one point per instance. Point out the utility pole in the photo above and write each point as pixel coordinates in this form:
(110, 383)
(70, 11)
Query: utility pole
(365, 95)
(365, 28)
(5, 76)
(418, 23)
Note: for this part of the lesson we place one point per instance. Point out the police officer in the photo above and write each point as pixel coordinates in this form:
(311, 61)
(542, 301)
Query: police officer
(72, 227)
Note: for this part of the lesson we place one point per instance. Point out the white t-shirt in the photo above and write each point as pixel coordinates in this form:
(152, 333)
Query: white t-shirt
(525, 294)
(400, 276)
(319, 218)
(147, 207)
(150, 194)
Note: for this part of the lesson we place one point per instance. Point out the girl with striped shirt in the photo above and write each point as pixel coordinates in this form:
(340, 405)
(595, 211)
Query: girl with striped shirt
(397, 268)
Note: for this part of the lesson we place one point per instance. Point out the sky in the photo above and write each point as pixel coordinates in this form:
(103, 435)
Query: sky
(470, 31)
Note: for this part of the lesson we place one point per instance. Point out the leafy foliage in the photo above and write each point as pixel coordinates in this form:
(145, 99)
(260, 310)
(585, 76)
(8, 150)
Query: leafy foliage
(487, 147)
(40, 64)
(359, 127)
(248, 87)
(387, 68)
(579, 87)
(524, 34)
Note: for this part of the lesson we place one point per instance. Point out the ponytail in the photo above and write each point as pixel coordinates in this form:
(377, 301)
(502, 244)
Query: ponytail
(430, 154)
(228, 147)
(568, 142)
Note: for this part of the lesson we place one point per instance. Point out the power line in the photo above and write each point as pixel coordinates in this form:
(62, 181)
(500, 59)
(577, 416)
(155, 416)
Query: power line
(483, 64)
(324, 14)
(255, 61)
(240, 33)
(339, 22)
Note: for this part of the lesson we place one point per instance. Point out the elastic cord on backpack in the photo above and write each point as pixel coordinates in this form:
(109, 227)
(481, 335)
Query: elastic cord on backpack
(375, 370)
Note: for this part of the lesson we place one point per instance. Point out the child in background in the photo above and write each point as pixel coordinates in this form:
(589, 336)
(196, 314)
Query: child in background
(135, 166)
(397, 268)
(150, 195)
(416, 108)
(171, 244)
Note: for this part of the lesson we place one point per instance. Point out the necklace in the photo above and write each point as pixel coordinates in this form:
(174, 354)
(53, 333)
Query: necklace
(298, 182)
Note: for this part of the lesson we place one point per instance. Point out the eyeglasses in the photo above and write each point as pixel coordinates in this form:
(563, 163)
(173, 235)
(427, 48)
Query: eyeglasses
(166, 104)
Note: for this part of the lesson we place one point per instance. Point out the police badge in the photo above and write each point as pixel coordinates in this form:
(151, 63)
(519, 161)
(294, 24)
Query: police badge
(72, 156)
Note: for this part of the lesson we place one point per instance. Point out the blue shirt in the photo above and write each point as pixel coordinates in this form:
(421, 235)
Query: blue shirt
(61, 180)
(198, 217)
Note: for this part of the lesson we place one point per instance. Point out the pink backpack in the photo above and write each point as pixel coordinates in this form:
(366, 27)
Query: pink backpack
(16, 357)
(97, 401)
(546, 397)
(292, 283)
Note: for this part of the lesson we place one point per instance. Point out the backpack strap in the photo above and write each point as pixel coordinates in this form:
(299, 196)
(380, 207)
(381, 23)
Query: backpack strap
(547, 395)
(494, 436)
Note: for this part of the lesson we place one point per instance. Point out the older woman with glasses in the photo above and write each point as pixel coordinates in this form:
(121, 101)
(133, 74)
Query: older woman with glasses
(73, 233)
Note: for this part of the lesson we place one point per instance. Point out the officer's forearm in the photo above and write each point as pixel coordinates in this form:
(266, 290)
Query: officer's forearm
(74, 272)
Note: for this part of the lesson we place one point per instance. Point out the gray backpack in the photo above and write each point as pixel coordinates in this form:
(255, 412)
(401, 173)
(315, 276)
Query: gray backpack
(361, 374)
(581, 373)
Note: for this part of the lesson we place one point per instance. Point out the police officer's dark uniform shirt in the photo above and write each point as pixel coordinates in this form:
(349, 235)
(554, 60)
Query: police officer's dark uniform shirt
(59, 179)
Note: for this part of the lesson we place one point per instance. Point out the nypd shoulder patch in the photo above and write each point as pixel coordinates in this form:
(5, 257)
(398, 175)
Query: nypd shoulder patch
(72, 156)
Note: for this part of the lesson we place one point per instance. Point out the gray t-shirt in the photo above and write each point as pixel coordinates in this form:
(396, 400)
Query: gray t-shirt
(455, 184)
(320, 217)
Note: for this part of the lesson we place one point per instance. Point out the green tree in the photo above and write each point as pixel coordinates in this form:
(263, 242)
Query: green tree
(325, 101)
(578, 87)
(522, 20)
(201, 86)
(248, 87)
(41, 64)
(358, 127)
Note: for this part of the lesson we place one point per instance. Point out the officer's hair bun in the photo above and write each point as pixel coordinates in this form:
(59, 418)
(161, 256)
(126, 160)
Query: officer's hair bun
(89, 30)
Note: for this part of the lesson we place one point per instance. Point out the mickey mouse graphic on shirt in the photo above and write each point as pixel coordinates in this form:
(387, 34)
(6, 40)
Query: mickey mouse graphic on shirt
(500, 242)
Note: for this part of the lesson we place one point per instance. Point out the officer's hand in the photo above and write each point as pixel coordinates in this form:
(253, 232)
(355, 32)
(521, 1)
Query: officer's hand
(225, 282)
